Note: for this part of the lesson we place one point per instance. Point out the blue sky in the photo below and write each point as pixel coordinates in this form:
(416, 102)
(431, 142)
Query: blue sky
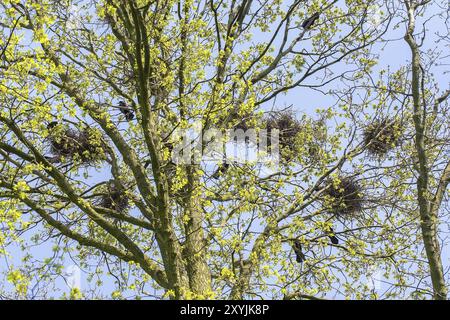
(393, 53)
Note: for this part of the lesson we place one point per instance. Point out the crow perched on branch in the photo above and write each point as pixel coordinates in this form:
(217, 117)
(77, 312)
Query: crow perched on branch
(300, 257)
(53, 159)
(222, 169)
(331, 235)
(309, 23)
(126, 110)
(52, 124)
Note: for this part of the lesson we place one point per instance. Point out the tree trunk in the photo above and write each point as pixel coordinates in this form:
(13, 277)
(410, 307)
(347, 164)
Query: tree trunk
(195, 245)
(428, 217)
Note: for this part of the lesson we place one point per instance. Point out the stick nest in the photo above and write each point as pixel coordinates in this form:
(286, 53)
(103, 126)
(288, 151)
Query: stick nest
(382, 136)
(344, 196)
(289, 127)
(114, 198)
(84, 146)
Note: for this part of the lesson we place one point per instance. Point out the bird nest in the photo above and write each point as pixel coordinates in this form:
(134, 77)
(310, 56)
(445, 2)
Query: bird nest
(344, 196)
(114, 198)
(382, 136)
(84, 146)
(289, 127)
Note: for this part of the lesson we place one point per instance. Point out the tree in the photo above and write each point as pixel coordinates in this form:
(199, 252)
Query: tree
(79, 173)
(424, 119)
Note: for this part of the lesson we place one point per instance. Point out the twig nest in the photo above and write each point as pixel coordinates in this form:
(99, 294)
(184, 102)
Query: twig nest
(381, 136)
(85, 145)
(344, 196)
(114, 198)
(289, 127)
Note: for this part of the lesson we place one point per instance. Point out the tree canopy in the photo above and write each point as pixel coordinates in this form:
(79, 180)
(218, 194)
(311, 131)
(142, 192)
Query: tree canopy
(98, 100)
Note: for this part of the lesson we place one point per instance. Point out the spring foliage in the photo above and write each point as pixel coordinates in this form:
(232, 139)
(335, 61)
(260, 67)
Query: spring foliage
(101, 191)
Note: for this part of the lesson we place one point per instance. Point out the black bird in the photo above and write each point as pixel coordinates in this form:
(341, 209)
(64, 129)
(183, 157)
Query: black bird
(52, 124)
(309, 23)
(300, 257)
(221, 170)
(126, 111)
(53, 159)
(333, 238)
(147, 163)
(169, 146)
